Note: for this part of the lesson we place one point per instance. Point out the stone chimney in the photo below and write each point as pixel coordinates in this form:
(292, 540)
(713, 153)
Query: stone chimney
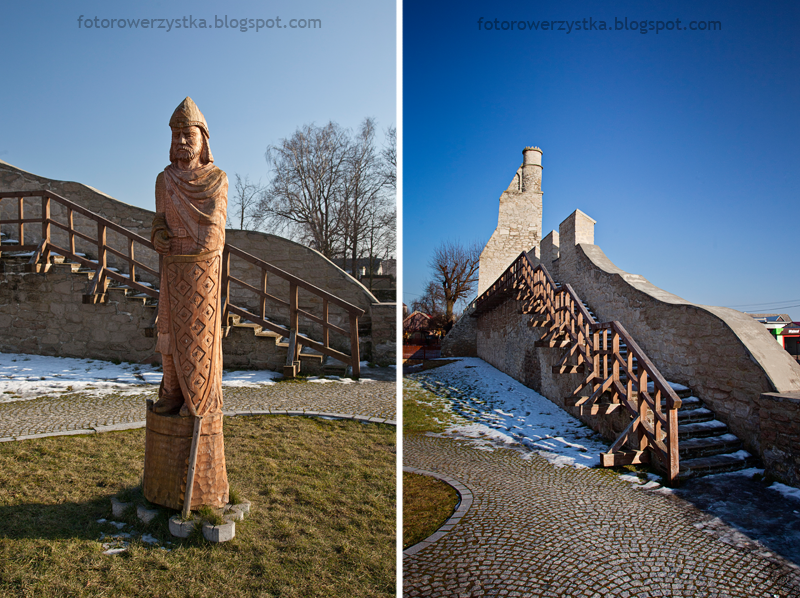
(532, 169)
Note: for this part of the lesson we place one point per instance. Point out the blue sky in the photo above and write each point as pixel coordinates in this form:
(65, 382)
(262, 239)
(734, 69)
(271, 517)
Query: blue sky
(93, 105)
(684, 146)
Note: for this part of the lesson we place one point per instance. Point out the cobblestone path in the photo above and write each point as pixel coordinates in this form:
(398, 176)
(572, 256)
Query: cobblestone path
(74, 413)
(537, 530)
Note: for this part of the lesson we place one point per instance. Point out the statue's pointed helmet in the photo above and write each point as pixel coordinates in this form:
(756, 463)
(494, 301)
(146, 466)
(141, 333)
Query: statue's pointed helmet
(188, 114)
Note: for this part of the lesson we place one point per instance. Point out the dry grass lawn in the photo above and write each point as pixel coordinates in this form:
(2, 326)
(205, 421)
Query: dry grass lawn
(322, 520)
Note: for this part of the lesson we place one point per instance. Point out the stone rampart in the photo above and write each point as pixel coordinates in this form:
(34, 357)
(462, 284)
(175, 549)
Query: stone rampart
(296, 259)
(461, 340)
(779, 434)
(506, 340)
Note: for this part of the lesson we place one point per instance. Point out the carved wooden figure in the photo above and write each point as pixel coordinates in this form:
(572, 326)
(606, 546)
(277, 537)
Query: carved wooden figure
(189, 234)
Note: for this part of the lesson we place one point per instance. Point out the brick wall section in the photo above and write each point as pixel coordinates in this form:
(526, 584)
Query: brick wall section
(292, 257)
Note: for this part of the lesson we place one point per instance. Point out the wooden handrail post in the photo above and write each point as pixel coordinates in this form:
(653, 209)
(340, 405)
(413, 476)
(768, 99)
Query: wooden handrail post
(264, 296)
(325, 329)
(672, 444)
(102, 283)
(21, 211)
(354, 349)
(131, 261)
(71, 232)
(294, 316)
(46, 228)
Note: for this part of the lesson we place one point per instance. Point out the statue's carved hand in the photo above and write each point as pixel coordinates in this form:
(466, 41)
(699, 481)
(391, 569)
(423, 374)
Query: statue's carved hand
(161, 241)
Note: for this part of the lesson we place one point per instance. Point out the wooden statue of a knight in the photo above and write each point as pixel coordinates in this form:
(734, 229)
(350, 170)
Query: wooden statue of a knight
(189, 234)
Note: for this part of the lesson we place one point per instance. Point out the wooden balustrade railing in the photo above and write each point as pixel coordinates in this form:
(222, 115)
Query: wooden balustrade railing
(46, 247)
(615, 372)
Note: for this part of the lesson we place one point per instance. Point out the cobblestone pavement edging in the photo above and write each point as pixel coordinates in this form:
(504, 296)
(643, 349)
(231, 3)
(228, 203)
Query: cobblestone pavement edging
(368, 401)
(465, 502)
(537, 530)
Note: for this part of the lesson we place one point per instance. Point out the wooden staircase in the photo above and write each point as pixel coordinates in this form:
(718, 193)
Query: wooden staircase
(21, 255)
(666, 421)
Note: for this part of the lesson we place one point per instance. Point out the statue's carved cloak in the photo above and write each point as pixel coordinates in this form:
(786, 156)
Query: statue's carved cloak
(189, 311)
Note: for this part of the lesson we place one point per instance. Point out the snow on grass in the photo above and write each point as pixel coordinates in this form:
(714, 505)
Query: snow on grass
(26, 377)
(504, 412)
(249, 378)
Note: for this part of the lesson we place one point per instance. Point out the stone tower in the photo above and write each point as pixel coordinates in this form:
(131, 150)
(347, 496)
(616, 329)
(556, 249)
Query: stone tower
(519, 224)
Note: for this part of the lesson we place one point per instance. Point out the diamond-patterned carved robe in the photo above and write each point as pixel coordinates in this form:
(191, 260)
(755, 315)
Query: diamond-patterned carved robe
(194, 204)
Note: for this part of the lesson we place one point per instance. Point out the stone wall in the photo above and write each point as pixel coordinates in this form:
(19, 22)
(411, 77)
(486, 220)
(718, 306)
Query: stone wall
(461, 341)
(519, 223)
(725, 357)
(43, 314)
(506, 340)
(296, 259)
(779, 434)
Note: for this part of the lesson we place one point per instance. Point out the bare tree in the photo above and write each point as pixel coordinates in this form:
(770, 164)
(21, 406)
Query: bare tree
(305, 192)
(364, 195)
(455, 269)
(431, 302)
(389, 154)
(332, 190)
(244, 204)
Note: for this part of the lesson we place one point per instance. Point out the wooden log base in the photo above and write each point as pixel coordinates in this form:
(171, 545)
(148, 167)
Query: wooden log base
(624, 458)
(168, 440)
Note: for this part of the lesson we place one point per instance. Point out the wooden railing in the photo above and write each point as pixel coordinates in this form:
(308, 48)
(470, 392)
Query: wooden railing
(615, 371)
(45, 247)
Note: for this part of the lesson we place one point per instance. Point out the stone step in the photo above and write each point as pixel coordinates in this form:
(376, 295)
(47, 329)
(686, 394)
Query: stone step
(700, 414)
(690, 468)
(687, 403)
(694, 448)
(701, 429)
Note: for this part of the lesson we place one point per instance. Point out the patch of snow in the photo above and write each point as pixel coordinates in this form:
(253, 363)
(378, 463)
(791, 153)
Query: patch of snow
(249, 378)
(503, 412)
(25, 377)
(675, 386)
(149, 539)
(749, 472)
(629, 477)
(788, 491)
(651, 485)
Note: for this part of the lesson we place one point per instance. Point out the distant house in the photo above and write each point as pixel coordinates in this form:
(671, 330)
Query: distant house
(416, 326)
(378, 275)
(786, 332)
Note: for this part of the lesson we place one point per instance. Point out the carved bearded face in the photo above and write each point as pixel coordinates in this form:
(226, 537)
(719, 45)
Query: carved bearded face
(187, 143)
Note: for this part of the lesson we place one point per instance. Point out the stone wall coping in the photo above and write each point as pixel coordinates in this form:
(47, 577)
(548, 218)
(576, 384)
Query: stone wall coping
(780, 369)
(788, 397)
